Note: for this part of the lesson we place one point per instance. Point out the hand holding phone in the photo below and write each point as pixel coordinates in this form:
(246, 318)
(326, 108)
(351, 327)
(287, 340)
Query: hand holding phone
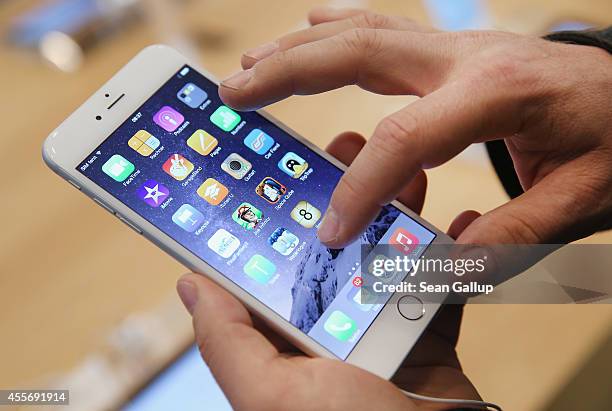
(238, 196)
(253, 364)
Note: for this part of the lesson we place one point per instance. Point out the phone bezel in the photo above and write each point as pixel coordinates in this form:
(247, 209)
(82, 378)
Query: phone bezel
(384, 344)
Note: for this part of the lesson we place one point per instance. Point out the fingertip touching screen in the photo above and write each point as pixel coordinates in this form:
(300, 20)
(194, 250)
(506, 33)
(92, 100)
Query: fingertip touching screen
(247, 198)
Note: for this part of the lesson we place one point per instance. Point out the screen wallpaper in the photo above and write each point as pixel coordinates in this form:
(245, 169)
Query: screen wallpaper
(247, 198)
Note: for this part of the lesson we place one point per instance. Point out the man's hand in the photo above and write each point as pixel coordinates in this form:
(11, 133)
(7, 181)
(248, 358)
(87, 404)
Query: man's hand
(550, 101)
(258, 370)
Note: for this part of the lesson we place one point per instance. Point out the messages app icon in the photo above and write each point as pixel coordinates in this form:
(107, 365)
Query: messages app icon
(340, 326)
(118, 168)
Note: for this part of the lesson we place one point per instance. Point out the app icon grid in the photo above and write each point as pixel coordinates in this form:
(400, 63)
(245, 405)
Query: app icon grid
(314, 187)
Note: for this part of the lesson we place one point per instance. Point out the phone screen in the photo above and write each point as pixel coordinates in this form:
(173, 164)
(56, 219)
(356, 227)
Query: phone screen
(247, 198)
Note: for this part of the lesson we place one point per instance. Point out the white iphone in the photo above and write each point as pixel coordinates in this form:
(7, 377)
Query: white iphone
(238, 197)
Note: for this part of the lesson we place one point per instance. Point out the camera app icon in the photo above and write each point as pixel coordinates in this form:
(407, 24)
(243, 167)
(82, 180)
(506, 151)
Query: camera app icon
(236, 166)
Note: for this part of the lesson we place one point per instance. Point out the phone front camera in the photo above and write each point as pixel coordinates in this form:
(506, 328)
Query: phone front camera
(98, 118)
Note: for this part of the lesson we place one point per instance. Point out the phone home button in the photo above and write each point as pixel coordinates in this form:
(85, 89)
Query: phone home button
(411, 307)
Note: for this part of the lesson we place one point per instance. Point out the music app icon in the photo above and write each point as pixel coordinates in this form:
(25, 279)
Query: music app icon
(168, 118)
(178, 167)
(403, 240)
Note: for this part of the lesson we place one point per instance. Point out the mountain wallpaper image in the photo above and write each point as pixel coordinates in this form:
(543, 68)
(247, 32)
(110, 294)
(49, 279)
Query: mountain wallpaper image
(322, 272)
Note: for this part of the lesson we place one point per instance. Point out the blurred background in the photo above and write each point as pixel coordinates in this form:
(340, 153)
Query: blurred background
(87, 305)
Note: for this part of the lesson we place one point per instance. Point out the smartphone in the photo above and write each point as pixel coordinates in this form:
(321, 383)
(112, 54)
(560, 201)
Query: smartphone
(238, 197)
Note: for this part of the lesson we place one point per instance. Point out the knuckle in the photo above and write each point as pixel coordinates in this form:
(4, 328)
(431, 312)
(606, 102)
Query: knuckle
(285, 59)
(364, 41)
(520, 230)
(407, 20)
(502, 67)
(207, 351)
(504, 61)
(210, 344)
(284, 62)
(353, 185)
(395, 135)
(476, 38)
(474, 41)
(506, 66)
(370, 20)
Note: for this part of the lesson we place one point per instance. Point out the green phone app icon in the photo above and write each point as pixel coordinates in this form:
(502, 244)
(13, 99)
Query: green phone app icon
(340, 326)
(225, 118)
(118, 168)
(260, 269)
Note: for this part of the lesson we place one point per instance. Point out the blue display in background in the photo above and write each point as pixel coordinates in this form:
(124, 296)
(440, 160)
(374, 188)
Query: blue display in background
(185, 385)
(199, 199)
(455, 15)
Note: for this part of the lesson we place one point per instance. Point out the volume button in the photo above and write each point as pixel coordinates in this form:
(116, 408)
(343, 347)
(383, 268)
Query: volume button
(129, 223)
(104, 206)
(73, 184)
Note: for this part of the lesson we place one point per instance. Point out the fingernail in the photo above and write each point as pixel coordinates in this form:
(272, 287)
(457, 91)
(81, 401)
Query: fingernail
(328, 232)
(188, 293)
(238, 80)
(263, 51)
